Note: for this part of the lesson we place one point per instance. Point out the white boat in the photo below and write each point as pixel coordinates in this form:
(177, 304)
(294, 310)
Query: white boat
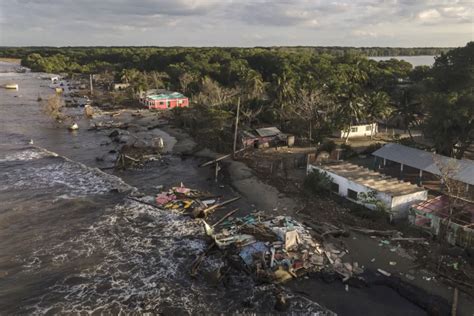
(13, 86)
(74, 127)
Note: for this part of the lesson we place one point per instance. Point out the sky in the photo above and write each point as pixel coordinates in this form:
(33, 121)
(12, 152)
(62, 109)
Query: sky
(401, 23)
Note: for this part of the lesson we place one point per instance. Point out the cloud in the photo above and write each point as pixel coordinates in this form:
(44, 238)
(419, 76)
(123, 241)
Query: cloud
(219, 22)
(429, 15)
(362, 33)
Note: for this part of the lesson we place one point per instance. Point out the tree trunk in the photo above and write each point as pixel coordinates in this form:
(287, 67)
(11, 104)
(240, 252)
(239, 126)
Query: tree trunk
(310, 133)
(348, 133)
(409, 133)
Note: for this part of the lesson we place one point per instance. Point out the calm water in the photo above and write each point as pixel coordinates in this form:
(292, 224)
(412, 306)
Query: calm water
(414, 60)
(70, 240)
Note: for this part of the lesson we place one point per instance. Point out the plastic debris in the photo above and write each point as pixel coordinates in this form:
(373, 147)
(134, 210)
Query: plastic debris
(384, 272)
(409, 277)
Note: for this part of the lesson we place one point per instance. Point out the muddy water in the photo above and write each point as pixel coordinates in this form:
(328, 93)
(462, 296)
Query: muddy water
(70, 240)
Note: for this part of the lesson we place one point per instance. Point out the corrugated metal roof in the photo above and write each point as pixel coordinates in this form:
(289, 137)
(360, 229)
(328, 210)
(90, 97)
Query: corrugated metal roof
(371, 179)
(164, 96)
(458, 169)
(268, 131)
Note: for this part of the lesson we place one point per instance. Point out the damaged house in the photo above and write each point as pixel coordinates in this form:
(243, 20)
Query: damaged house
(265, 137)
(452, 221)
(372, 189)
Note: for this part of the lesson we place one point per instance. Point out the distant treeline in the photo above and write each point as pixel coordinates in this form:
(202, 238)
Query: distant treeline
(20, 52)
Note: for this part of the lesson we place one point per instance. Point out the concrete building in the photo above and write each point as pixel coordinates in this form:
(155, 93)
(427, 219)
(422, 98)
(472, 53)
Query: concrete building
(359, 130)
(371, 188)
(163, 99)
(120, 86)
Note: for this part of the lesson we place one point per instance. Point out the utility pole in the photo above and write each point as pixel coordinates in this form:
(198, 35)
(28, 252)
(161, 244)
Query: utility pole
(236, 126)
(90, 82)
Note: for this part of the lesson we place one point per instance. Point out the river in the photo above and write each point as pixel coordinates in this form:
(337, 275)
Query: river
(71, 241)
(414, 60)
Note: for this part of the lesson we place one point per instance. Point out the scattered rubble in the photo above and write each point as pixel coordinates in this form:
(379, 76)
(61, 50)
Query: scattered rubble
(271, 249)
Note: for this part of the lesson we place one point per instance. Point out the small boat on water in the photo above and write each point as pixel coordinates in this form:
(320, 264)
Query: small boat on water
(12, 86)
(73, 127)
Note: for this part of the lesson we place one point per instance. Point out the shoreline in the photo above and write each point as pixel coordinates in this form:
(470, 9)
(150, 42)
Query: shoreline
(265, 196)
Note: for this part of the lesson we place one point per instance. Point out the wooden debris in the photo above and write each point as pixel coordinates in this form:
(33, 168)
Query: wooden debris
(224, 217)
(408, 239)
(197, 263)
(198, 212)
(143, 202)
(215, 160)
(220, 158)
(373, 232)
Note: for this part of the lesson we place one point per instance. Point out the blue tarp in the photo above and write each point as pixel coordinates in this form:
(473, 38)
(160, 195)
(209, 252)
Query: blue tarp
(247, 252)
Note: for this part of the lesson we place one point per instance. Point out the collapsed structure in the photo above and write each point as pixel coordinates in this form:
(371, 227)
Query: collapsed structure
(265, 137)
(370, 188)
(452, 221)
(271, 249)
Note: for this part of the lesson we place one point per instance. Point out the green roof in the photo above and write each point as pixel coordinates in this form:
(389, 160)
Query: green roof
(164, 96)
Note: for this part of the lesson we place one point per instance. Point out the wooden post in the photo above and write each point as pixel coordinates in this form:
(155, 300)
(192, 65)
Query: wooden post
(90, 82)
(454, 307)
(236, 126)
(216, 171)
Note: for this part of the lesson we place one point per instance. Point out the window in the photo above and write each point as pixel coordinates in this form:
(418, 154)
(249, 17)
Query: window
(180, 102)
(334, 187)
(353, 129)
(368, 128)
(352, 194)
(168, 103)
(161, 103)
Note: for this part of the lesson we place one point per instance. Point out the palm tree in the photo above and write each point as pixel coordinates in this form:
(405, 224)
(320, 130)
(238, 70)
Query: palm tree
(350, 95)
(284, 92)
(407, 109)
(157, 79)
(377, 108)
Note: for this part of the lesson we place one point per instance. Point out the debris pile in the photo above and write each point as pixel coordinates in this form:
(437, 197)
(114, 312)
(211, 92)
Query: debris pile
(190, 202)
(271, 249)
(135, 156)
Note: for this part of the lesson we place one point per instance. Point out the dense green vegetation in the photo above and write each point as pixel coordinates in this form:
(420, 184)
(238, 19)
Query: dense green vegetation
(309, 91)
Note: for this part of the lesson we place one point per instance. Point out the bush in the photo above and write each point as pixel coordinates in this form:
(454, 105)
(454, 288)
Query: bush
(371, 148)
(328, 146)
(317, 182)
(348, 152)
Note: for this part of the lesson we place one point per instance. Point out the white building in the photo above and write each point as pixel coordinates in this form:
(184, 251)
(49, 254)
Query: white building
(359, 130)
(357, 184)
(120, 86)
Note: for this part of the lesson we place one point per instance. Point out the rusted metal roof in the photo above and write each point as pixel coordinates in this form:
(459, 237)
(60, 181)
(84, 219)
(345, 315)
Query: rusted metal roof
(268, 131)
